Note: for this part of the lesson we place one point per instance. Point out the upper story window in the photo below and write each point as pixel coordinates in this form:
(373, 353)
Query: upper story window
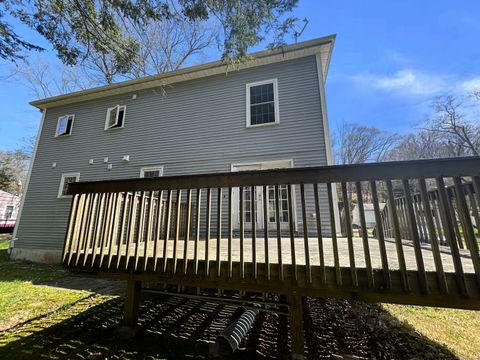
(262, 103)
(64, 125)
(65, 181)
(9, 211)
(151, 171)
(115, 117)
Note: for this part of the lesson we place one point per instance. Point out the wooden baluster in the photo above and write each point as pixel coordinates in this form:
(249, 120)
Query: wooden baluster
(72, 221)
(94, 224)
(99, 226)
(131, 226)
(412, 224)
(449, 233)
(168, 211)
(321, 255)
(177, 231)
(139, 230)
(418, 218)
(338, 274)
(158, 230)
(242, 265)
(149, 229)
(364, 230)
(125, 196)
(253, 200)
(291, 217)
(380, 236)
(476, 188)
(265, 231)
(436, 216)
(219, 229)
(197, 231)
(88, 219)
(113, 229)
(423, 220)
(209, 223)
(279, 233)
(106, 229)
(305, 234)
(90, 228)
(230, 207)
(394, 221)
(187, 230)
(473, 204)
(78, 235)
(453, 216)
(442, 281)
(348, 228)
(467, 226)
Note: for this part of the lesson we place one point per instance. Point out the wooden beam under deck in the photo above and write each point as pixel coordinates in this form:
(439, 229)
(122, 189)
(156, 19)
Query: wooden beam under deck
(302, 287)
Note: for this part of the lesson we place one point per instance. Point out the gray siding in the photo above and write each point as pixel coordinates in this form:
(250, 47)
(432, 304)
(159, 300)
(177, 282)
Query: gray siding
(191, 127)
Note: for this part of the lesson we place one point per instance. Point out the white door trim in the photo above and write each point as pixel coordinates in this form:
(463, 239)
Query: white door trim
(259, 165)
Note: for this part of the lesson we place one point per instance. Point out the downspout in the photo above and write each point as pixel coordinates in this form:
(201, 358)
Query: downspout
(327, 139)
(27, 182)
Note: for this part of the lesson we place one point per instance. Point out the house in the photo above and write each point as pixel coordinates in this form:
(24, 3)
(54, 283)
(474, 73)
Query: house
(369, 214)
(9, 205)
(269, 112)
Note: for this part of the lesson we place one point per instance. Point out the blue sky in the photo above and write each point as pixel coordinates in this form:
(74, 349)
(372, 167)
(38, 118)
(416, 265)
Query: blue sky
(391, 59)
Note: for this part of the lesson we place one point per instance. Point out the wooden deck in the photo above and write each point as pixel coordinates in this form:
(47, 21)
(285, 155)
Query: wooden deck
(424, 248)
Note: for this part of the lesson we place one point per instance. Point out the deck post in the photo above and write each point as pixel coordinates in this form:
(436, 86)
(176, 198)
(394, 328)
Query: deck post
(296, 326)
(132, 304)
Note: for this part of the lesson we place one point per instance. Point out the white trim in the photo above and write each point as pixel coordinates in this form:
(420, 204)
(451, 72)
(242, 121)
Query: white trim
(151, 168)
(289, 165)
(27, 182)
(58, 125)
(62, 183)
(322, 45)
(276, 102)
(118, 112)
(327, 139)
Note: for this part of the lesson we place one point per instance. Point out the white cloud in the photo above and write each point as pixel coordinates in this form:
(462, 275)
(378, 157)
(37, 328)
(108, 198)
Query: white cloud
(470, 85)
(406, 81)
(417, 83)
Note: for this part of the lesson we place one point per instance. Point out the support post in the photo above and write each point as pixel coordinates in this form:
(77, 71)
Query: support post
(296, 326)
(131, 309)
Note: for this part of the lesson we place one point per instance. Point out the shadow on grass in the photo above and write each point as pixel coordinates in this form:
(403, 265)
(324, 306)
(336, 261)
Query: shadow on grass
(173, 327)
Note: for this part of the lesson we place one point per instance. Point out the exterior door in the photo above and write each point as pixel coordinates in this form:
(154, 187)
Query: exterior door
(257, 199)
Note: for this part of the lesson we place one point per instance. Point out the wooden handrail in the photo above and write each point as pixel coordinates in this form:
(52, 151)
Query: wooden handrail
(414, 169)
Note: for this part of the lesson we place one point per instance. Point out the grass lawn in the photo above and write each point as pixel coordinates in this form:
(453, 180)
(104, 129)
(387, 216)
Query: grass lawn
(22, 295)
(459, 330)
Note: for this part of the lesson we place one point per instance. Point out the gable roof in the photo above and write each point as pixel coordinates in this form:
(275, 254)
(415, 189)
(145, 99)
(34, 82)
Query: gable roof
(322, 46)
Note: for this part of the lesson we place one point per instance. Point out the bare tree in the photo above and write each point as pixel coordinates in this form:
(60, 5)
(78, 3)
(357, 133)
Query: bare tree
(356, 144)
(423, 144)
(164, 46)
(460, 136)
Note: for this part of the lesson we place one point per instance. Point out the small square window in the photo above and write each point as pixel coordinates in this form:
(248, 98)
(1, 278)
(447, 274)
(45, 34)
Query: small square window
(262, 103)
(9, 211)
(115, 117)
(65, 181)
(64, 125)
(151, 172)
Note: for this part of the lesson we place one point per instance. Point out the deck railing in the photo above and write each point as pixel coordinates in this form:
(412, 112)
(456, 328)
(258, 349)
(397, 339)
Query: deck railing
(276, 230)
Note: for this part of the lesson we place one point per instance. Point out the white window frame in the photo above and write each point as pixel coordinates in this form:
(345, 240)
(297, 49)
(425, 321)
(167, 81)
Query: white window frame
(124, 107)
(5, 211)
(151, 168)
(58, 125)
(276, 103)
(62, 183)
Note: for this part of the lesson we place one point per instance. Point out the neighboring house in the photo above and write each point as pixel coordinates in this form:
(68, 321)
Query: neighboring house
(9, 205)
(369, 214)
(267, 113)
